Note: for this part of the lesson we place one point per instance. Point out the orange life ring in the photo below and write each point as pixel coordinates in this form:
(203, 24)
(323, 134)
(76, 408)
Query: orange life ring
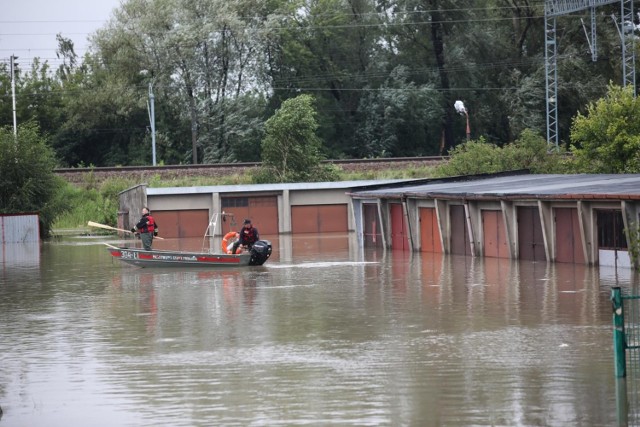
(227, 240)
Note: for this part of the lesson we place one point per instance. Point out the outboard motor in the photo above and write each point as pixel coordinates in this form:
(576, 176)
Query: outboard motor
(260, 252)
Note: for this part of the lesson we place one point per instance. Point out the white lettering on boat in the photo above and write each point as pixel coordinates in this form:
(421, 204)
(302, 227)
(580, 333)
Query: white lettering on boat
(128, 254)
(174, 258)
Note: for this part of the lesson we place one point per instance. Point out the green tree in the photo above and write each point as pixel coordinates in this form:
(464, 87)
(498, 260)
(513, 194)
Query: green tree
(396, 119)
(530, 151)
(27, 181)
(607, 138)
(384, 73)
(291, 148)
(204, 60)
(325, 47)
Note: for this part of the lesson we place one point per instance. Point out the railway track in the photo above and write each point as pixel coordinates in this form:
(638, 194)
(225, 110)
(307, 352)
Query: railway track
(224, 169)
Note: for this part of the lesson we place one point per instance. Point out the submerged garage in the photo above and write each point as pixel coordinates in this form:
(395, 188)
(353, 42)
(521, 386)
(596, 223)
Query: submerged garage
(181, 212)
(580, 219)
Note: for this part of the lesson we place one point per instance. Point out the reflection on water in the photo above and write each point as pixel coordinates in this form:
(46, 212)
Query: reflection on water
(323, 333)
(19, 255)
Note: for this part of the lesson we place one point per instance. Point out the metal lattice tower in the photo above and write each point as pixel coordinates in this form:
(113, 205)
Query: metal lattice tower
(555, 8)
(628, 44)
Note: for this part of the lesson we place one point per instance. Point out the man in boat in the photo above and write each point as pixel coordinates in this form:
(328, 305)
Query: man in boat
(147, 227)
(248, 236)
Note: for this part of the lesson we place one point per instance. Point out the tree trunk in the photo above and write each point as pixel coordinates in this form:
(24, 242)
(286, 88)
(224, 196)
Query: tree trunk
(194, 126)
(437, 34)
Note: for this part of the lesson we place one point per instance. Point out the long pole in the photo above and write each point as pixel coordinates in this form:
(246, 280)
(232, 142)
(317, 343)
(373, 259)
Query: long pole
(13, 96)
(152, 119)
(468, 127)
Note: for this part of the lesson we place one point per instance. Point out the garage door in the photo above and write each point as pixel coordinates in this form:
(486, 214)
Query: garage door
(568, 237)
(460, 243)
(530, 238)
(263, 212)
(187, 223)
(371, 227)
(319, 219)
(494, 233)
(399, 235)
(429, 231)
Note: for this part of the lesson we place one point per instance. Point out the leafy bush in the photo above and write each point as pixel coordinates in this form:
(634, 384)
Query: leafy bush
(530, 152)
(27, 181)
(607, 138)
(98, 202)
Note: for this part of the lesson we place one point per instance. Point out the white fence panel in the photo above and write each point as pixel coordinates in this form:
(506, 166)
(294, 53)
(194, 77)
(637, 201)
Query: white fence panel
(19, 228)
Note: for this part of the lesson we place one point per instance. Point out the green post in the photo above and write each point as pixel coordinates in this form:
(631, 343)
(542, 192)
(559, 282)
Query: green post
(618, 333)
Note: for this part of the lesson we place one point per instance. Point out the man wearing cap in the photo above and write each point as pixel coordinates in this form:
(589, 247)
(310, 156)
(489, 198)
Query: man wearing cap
(248, 236)
(147, 227)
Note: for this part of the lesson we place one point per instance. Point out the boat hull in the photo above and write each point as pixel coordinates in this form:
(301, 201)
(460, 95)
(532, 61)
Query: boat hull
(160, 258)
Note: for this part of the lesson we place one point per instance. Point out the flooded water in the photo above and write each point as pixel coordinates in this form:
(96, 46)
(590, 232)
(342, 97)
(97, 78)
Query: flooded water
(322, 334)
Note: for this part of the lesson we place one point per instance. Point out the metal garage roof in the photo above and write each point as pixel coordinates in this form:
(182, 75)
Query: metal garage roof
(582, 186)
(266, 188)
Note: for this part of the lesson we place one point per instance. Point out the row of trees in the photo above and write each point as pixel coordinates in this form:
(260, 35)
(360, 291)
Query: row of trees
(384, 75)
(605, 140)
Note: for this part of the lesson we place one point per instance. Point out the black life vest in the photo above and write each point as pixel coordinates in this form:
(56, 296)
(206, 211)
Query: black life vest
(249, 235)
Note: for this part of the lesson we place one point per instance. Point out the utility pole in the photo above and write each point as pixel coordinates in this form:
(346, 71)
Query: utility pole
(152, 120)
(13, 95)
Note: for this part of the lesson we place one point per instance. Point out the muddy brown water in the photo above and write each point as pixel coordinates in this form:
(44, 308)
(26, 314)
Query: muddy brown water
(323, 334)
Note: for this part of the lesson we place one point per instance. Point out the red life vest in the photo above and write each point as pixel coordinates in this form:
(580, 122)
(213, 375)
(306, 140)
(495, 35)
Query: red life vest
(151, 224)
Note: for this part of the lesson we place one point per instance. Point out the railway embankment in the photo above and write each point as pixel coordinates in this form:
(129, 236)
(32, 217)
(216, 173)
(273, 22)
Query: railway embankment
(221, 170)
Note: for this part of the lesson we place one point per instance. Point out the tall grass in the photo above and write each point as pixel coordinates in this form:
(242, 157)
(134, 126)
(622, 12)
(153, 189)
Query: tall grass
(85, 204)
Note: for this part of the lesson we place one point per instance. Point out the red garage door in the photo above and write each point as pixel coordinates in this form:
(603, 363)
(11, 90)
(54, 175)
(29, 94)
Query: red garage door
(319, 219)
(399, 235)
(429, 231)
(187, 223)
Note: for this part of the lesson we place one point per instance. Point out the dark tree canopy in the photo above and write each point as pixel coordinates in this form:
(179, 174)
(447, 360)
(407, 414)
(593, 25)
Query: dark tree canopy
(384, 75)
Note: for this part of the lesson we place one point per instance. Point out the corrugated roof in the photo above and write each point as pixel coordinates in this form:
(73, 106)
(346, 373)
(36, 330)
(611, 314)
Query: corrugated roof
(346, 185)
(583, 186)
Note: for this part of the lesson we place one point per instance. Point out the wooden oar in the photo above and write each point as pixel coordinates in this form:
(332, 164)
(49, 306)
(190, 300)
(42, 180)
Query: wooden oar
(108, 227)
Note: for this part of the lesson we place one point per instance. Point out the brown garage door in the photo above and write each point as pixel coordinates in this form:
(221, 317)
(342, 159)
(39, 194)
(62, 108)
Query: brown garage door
(187, 223)
(263, 212)
(460, 244)
(495, 237)
(530, 238)
(568, 237)
(319, 219)
(371, 227)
